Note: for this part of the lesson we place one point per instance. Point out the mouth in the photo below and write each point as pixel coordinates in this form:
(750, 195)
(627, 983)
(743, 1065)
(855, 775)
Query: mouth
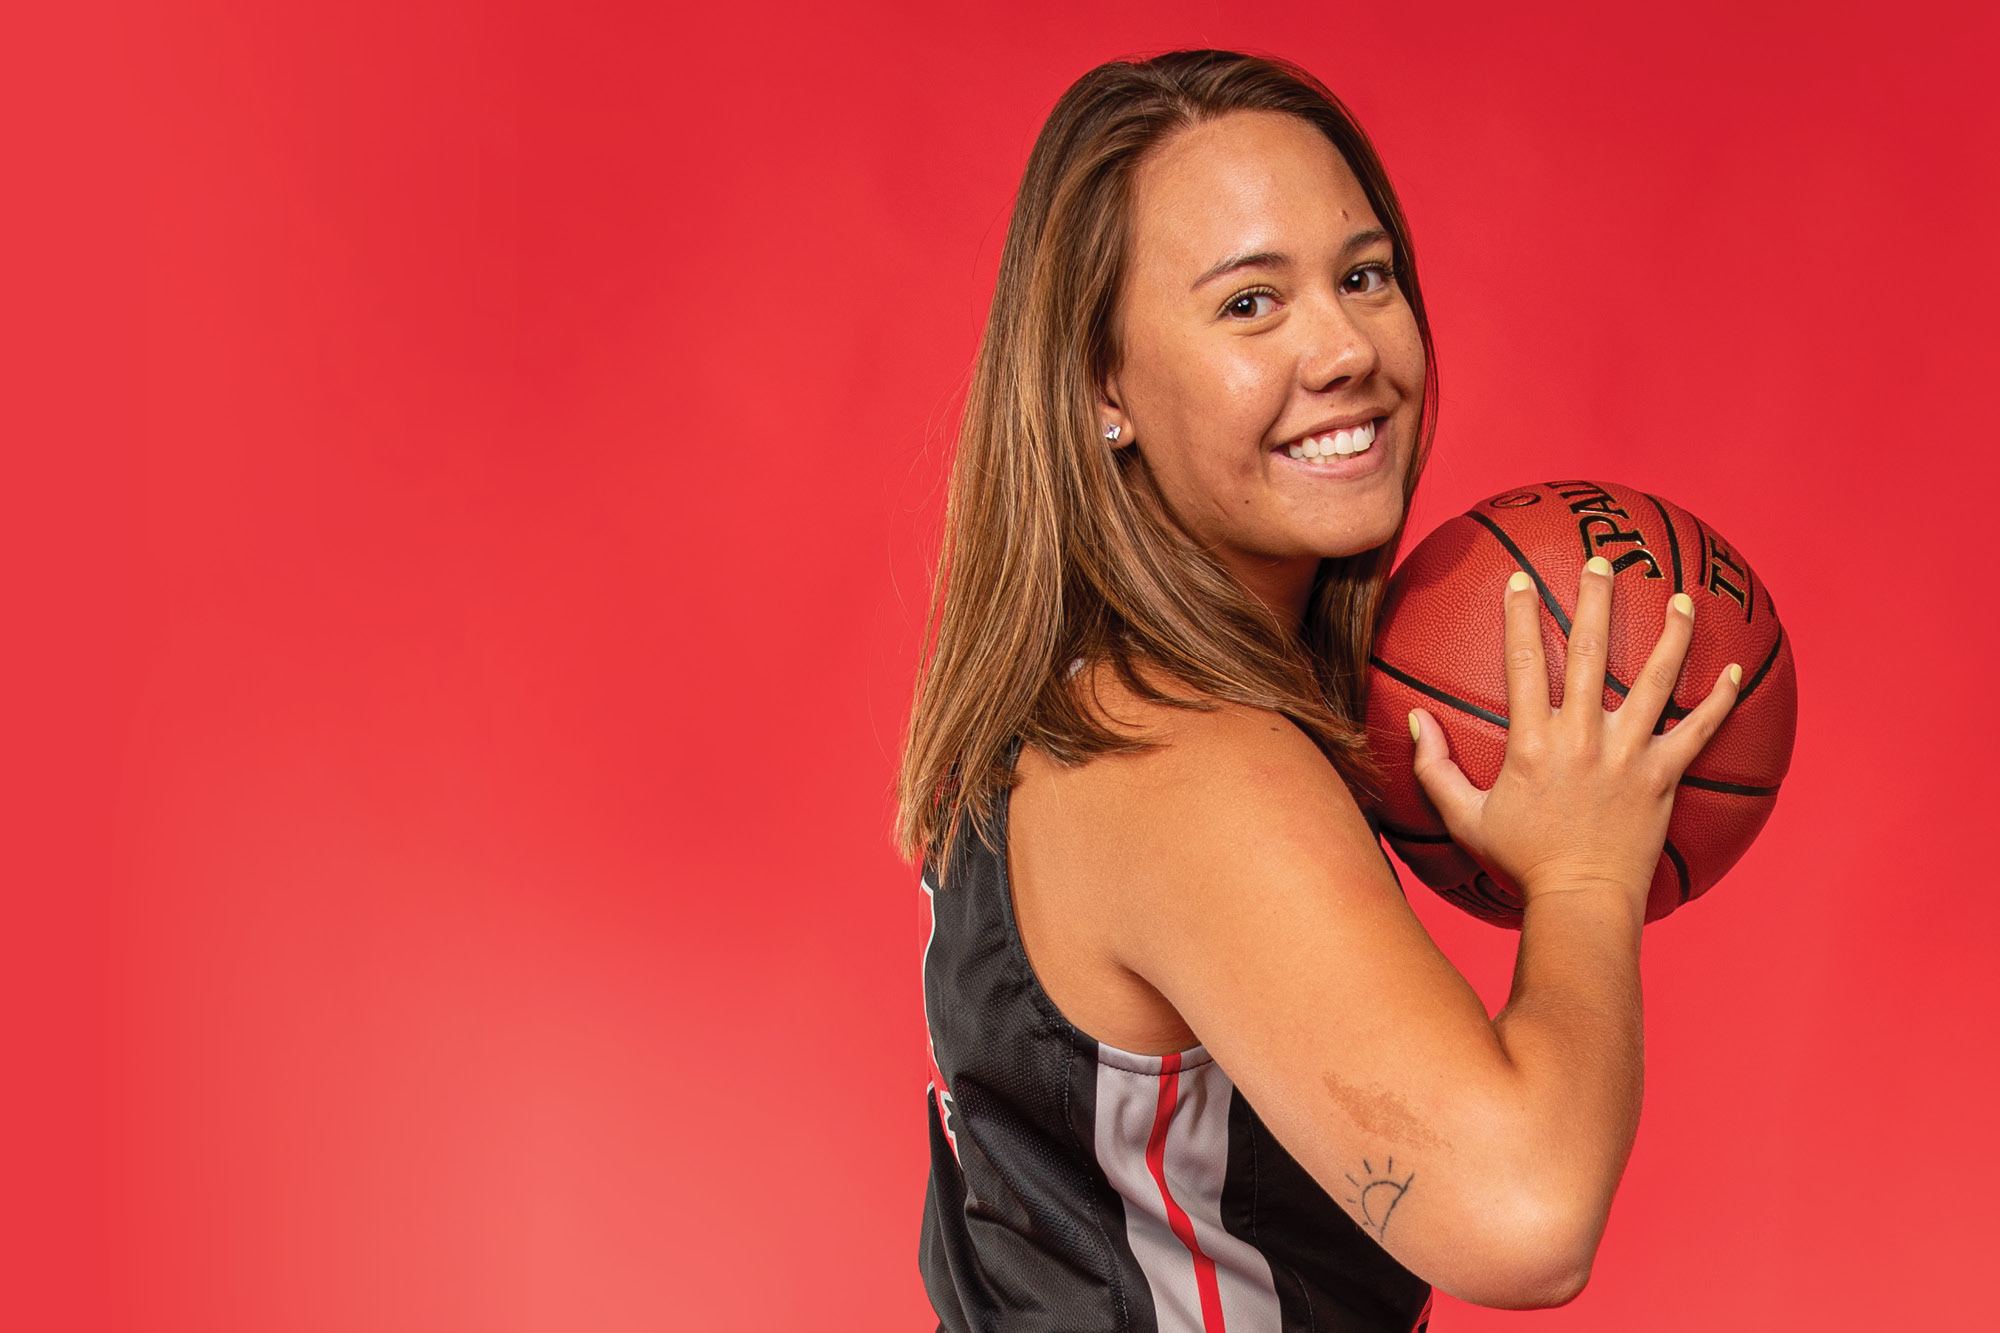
(1327, 448)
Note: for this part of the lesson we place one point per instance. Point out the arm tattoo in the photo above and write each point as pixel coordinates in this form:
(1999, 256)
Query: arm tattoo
(1378, 1195)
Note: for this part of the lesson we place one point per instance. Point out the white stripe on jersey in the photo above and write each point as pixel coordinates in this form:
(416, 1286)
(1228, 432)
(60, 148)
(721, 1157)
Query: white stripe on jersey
(1196, 1160)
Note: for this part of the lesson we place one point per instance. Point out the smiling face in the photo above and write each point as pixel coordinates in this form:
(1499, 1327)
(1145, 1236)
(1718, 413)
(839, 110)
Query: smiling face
(1269, 369)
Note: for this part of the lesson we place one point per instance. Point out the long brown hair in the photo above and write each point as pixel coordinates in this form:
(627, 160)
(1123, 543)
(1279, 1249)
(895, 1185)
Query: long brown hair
(1056, 548)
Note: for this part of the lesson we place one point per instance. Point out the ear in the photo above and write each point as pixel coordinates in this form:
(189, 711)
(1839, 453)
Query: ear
(1111, 412)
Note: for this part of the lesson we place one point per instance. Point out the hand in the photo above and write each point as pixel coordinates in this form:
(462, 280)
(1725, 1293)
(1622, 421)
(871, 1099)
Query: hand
(1583, 795)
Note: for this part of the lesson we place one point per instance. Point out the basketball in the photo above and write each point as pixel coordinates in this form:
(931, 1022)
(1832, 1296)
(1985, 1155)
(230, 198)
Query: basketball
(1439, 646)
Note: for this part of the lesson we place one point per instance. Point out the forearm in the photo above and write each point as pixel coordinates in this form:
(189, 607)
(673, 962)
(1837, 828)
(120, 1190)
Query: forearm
(1573, 1033)
(1542, 1130)
(1524, 1145)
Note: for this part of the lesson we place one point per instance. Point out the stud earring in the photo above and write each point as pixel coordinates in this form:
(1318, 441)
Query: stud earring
(1112, 433)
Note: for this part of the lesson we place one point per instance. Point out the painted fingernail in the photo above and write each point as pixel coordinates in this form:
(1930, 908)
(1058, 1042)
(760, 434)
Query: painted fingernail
(1735, 674)
(1683, 604)
(1415, 730)
(1597, 564)
(1519, 581)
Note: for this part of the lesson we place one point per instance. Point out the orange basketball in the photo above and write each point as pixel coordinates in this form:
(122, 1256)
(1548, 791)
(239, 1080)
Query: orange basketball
(1439, 647)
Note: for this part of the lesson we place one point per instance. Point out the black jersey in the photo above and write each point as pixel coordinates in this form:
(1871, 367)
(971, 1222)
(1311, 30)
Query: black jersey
(1075, 1187)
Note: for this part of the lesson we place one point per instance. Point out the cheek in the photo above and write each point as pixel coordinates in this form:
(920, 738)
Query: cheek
(1244, 397)
(1244, 381)
(1204, 402)
(1405, 351)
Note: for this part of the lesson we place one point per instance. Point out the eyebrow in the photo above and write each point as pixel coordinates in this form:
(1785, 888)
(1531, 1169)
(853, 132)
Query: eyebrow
(1274, 259)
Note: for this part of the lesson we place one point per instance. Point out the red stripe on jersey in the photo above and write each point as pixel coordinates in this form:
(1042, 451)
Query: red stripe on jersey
(1177, 1218)
(947, 1110)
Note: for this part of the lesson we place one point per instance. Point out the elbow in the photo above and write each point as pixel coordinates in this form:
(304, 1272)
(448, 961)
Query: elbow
(1531, 1256)
(1535, 1286)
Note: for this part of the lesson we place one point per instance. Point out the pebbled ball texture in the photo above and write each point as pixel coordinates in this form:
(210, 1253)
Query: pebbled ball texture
(1439, 647)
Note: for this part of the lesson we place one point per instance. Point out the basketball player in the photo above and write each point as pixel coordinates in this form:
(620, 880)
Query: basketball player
(1196, 1065)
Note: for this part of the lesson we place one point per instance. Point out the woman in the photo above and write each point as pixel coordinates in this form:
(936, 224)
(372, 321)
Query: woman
(1196, 1064)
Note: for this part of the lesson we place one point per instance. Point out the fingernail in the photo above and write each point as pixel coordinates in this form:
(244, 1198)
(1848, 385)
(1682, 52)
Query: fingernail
(1519, 581)
(1683, 604)
(1597, 564)
(1735, 674)
(1415, 730)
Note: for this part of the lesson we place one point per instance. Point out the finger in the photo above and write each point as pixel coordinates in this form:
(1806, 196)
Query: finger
(1679, 747)
(1527, 666)
(1456, 799)
(1589, 638)
(1654, 685)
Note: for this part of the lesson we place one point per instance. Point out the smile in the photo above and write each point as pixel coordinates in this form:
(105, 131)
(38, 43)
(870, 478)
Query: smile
(1334, 444)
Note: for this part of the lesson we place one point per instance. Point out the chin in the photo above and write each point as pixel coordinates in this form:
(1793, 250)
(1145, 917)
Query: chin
(1357, 538)
(1343, 550)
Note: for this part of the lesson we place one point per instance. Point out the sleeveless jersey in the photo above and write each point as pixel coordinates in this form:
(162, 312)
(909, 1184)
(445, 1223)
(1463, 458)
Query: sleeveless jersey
(1075, 1187)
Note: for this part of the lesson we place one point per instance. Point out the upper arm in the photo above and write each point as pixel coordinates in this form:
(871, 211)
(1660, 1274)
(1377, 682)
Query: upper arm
(1242, 882)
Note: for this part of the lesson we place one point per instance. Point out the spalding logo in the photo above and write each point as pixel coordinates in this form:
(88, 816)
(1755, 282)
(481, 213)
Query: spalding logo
(1598, 523)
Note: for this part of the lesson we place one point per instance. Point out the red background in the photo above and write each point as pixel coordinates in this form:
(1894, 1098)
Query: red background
(471, 476)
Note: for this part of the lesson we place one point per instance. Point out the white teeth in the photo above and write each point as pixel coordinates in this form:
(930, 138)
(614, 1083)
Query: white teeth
(1335, 444)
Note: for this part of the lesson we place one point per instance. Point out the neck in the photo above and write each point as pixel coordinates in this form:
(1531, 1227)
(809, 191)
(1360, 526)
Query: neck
(1285, 586)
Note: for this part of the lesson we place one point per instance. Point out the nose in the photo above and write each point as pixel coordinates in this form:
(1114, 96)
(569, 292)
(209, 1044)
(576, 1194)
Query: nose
(1336, 351)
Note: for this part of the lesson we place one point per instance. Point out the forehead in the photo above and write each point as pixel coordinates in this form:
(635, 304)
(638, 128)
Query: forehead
(1250, 180)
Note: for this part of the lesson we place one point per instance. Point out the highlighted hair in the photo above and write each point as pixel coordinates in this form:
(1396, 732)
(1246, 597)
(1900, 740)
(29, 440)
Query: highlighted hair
(1057, 548)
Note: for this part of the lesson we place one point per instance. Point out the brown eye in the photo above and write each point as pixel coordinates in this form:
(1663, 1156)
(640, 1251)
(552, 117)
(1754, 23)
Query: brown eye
(1368, 280)
(1248, 305)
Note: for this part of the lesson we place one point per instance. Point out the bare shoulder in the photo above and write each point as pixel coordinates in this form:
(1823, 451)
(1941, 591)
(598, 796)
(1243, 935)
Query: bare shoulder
(1210, 777)
(1119, 860)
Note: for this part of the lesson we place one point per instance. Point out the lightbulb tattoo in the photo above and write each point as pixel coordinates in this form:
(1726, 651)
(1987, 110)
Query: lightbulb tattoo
(1378, 1196)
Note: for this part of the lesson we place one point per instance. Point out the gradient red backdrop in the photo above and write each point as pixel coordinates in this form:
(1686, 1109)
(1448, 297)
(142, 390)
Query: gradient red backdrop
(472, 480)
